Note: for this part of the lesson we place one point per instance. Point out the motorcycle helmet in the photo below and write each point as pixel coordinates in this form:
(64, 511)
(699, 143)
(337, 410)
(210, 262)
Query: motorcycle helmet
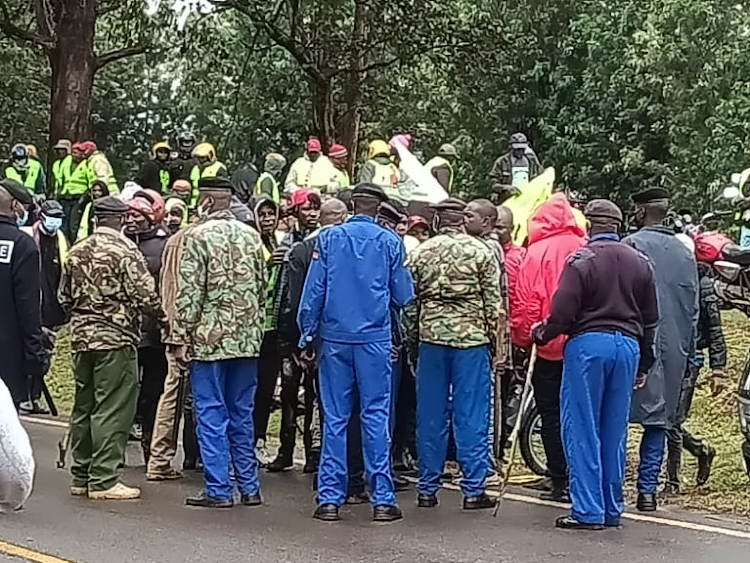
(161, 146)
(157, 205)
(186, 142)
(19, 153)
(378, 147)
(205, 151)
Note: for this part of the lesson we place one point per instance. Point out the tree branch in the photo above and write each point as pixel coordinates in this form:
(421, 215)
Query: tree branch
(116, 55)
(12, 30)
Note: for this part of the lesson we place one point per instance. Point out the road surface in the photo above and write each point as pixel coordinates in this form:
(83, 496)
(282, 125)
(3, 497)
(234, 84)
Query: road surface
(56, 528)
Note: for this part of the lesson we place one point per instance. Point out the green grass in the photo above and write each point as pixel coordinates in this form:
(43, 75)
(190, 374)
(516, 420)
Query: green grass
(714, 419)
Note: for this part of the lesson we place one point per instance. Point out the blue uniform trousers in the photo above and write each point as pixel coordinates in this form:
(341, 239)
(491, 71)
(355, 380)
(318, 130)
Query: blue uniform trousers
(344, 369)
(224, 396)
(653, 444)
(599, 372)
(467, 372)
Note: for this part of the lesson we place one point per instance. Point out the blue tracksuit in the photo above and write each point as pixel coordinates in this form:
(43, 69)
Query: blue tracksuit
(224, 395)
(357, 275)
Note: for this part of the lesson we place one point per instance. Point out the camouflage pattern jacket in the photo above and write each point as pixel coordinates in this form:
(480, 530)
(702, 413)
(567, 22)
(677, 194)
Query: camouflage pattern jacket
(221, 290)
(105, 287)
(457, 281)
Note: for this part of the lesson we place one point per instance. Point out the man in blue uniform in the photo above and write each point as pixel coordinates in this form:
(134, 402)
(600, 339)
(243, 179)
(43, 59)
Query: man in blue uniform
(357, 274)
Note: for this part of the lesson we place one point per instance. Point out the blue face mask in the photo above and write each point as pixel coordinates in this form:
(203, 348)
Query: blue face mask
(52, 224)
(21, 221)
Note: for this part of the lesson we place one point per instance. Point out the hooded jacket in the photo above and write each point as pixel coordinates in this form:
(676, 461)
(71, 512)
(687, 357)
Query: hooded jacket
(151, 244)
(554, 236)
(269, 245)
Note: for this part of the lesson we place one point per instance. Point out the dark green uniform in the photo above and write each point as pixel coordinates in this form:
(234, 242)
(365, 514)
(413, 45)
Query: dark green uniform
(105, 287)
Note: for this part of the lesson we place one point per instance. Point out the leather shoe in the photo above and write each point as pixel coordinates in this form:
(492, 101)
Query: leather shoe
(251, 500)
(386, 513)
(427, 501)
(480, 502)
(202, 500)
(327, 513)
(400, 484)
(280, 464)
(705, 462)
(570, 523)
(557, 494)
(359, 498)
(646, 502)
(312, 460)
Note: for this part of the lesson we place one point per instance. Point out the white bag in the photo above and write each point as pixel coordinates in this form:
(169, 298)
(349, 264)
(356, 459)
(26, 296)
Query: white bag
(16, 457)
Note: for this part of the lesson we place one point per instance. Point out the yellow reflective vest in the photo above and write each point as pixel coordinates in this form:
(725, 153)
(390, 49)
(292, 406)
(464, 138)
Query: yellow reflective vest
(98, 164)
(29, 180)
(77, 183)
(275, 194)
(197, 174)
(61, 170)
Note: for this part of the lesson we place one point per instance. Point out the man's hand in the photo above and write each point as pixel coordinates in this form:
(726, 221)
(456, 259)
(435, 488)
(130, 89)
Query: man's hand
(640, 380)
(719, 382)
(278, 255)
(181, 355)
(307, 358)
(537, 332)
(498, 366)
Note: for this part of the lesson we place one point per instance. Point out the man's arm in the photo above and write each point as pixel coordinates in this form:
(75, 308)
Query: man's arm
(266, 187)
(402, 282)
(526, 309)
(190, 295)
(711, 316)
(443, 175)
(367, 172)
(536, 167)
(489, 282)
(297, 266)
(290, 184)
(649, 308)
(313, 293)
(26, 290)
(139, 284)
(566, 302)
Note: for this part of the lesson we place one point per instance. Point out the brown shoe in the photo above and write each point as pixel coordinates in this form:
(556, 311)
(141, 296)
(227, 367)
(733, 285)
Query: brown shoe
(168, 475)
(118, 492)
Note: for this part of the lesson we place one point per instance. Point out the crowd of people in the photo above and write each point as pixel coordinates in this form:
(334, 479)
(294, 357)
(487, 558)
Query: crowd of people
(189, 294)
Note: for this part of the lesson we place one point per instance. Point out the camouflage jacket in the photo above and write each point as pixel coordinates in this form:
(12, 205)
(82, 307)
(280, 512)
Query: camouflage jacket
(458, 291)
(105, 287)
(221, 290)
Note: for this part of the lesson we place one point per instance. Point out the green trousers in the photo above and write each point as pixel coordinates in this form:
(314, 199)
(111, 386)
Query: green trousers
(105, 403)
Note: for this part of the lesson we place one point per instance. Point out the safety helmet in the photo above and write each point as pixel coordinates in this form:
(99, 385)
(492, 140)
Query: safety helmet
(205, 150)
(143, 206)
(448, 150)
(32, 151)
(19, 152)
(519, 141)
(157, 205)
(378, 147)
(186, 141)
(161, 146)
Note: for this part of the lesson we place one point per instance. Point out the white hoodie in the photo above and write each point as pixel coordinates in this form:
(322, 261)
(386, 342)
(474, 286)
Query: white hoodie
(16, 457)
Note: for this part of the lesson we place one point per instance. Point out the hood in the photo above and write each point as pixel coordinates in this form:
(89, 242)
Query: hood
(553, 217)
(260, 200)
(241, 211)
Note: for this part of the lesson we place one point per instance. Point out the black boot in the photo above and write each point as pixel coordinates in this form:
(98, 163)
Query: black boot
(327, 513)
(283, 462)
(202, 500)
(557, 494)
(400, 483)
(190, 442)
(427, 501)
(251, 500)
(705, 461)
(570, 523)
(312, 460)
(672, 487)
(646, 502)
(386, 513)
(480, 502)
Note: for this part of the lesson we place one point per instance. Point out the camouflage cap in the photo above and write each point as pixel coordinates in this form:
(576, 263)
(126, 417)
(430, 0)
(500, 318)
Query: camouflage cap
(16, 191)
(109, 205)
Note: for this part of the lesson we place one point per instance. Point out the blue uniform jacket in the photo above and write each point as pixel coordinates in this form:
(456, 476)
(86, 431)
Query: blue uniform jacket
(357, 274)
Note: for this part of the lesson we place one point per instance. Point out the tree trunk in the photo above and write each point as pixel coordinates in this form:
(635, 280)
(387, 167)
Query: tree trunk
(323, 111)
(73, 65)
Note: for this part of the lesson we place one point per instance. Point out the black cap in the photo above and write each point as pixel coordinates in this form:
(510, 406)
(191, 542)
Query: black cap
(215, 184)
(650, 195)
(52, 208)
(369, 190)
(17, 191)
(450, 204)
(109, 205)
(603, 209)
(390, 213)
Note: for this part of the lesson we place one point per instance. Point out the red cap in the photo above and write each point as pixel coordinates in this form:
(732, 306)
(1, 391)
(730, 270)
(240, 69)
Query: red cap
(313, 145)
(418, 221)
(303, 196)
(338, 151)
(87, 147)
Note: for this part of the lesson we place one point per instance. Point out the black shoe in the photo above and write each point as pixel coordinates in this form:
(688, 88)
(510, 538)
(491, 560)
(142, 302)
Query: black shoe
(251, 500)
(427, 501)
(327, 513)
(646, 502)
(557, 494)
(202, 500)
(705, 462)
(400, 484)
(481, 502)
(543, 484)
(312, 460)
(280, 464)
(359, 498)
(189, 465)
(386, 513)
(37, 408)
(570, 523)
(670, 490)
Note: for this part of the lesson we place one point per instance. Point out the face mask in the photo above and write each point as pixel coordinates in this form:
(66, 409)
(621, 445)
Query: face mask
(52, 224)
(23, 219)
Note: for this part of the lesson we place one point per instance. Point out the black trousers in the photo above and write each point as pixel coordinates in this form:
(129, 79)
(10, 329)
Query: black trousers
(405, 431)
(269, 366)
(291, 379)
(152, 364)
(547, 380)
(72, 219)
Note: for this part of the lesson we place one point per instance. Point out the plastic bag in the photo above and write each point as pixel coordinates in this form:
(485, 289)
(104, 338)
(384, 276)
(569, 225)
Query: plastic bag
(16, 458)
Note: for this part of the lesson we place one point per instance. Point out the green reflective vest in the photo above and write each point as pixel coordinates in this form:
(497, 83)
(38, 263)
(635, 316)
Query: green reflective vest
(197, 174)
(275, 195)
(61, 170)
(83, 228)
(77, 182)
(164, 178)
(29, 179)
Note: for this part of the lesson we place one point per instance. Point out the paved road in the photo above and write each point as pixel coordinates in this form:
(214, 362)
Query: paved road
(160, 528)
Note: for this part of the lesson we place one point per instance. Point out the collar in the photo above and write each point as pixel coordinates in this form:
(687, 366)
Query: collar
(450, 230)
(109, 231)
(224, 214)
(659, 229)
(361, 219)
(9, 220)
(605, 236)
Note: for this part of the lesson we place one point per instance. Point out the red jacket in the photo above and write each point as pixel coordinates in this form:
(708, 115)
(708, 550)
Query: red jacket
(553, 236)
(513, 260)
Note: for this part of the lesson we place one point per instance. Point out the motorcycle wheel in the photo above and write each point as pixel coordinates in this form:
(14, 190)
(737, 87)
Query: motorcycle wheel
(530, 438)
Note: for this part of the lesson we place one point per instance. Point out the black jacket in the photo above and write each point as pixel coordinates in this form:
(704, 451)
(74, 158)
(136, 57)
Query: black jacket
(149, 176)
(151, 245)
(710, 332)
(181, 168)
(22, 352)
(291, 280)
(244, 182)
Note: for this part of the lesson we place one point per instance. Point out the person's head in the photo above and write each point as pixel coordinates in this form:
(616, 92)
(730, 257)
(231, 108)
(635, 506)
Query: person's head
(603, 217)
(419, 228)
(339, 156)
(389, 216)
(205, 154)
(313, 148)
(14, 201)
(215, 194)
(448, 152)
(333, 212)
(651, 207)
(182, 189)
(19, 157)
(88, 148)
(306, 205)
(110, 212)
(140, 217)
(378, 148)
(99, 189)
(176, 211)
(274, 164)
(504, 225)
(449, 213)
(345, 196)
(266, 216)
(518, 145)
(480, 217)
(366, 199)
(51, 215)
(185, 143)
(77, 153)
(576, 199)
(62, 148)
(160, 152)
(157, 203)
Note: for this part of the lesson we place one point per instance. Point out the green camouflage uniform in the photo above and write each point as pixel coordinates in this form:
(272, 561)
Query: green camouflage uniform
(458, 292)
(105, 287)
(220, 301)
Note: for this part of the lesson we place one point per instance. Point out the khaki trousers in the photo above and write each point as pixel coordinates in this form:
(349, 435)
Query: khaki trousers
(168, 414)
